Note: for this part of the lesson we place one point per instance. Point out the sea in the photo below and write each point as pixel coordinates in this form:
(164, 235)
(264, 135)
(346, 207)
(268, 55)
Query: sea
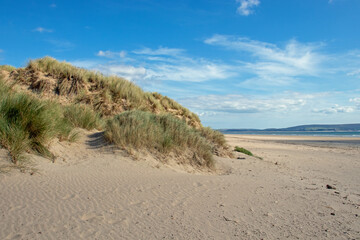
(354, 134)
(341, 139)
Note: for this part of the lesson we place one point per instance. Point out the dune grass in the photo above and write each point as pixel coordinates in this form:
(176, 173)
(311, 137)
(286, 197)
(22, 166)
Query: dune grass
(162, 133)
(110, 95)
(83, 116)
(136, 119)
(243, 150)
(29, 124)
(213, 136)
(7, 68)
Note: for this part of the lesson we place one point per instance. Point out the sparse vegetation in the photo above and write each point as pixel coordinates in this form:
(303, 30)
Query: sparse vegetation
(132, 118)
(162, 133)
(83, 117)
(7, 68)
(243, 150)
(29, 124)
(108, 95)
(213, 136)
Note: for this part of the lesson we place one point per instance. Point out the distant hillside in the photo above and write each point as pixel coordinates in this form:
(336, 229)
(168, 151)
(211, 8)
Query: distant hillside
(302, 128)
(321, 127)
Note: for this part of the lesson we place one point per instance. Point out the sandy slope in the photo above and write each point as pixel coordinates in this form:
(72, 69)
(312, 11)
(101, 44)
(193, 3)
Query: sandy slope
(94, 193)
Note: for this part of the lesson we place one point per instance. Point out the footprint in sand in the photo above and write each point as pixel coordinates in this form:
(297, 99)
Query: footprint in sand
(92, 217)
(68, 196)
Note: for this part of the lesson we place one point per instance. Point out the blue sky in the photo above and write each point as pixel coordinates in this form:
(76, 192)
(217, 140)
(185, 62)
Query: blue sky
(236, 63)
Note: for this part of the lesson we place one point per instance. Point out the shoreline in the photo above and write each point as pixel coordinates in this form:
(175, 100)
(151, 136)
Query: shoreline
(315, 141)
(99, 194)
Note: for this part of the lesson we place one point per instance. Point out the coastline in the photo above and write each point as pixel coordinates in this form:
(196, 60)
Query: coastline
(316, 141)
(100, 194)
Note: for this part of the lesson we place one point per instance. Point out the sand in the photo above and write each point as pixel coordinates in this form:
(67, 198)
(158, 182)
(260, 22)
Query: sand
(94, 192)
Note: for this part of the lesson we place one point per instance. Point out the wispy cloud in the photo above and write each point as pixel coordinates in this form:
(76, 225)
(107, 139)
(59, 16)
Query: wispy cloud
(271, 64)
(61, 45)
(334, 109)
(110, 54)
(355, 73)
(53, 5)
(42, 30)
(196, 71)
(246, 6)
(160, 51)
(162, 64)
(356, 101)
(131, 73)
(247, 104)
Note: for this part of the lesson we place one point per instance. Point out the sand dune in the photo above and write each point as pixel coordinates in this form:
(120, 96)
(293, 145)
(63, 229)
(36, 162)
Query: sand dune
(92, 192)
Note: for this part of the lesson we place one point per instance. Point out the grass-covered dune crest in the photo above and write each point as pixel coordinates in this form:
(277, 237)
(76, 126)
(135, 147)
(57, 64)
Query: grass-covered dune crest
(109, 95)
(49, 99)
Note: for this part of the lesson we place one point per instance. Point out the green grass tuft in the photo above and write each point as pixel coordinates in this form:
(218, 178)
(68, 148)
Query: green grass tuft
(108, 95)
(162, 133)
(28, 124)
(243, 150)
(82, 116)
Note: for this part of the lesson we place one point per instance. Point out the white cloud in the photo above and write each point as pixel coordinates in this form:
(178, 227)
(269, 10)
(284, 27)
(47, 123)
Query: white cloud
(53, 5)
(110, 54)
(164, 64)
(355, 100)
(355, 73)
(42, 30)
(192, 72)
(160, 51)
(247, 104)
(246, 6)
(273, 65)
(335, 109)
(128, 72)
(1, 50)
(61, 45)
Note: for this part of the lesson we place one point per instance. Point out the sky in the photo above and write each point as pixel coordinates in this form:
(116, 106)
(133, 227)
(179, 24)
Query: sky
(236, 63)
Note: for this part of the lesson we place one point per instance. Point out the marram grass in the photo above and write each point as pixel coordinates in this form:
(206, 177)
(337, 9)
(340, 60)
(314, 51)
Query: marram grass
(162, 133)
(29, 124)
(104, 93)
(146, 120)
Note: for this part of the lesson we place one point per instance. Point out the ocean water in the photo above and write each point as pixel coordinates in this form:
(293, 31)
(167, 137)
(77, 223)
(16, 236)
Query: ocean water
(296, 133)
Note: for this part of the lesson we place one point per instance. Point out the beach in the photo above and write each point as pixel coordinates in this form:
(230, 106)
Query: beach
(294, 187)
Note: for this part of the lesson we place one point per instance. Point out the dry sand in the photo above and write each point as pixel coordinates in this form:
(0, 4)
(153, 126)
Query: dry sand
(94, 193)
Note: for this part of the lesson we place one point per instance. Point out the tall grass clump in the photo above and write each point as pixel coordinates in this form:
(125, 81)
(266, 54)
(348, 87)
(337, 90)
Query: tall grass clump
(7, 68)
(82, 116)
(73, 79)
(28, 124)
(162, 133)
(213, 136)
(109, 95)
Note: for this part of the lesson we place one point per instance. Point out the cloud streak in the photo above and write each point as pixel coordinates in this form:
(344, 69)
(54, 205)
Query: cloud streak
(246, 6)
(334, 109)
(110, 54)
(163, 64)
(43, 30)
(160, 51)
(235, 103)
(270, 64)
